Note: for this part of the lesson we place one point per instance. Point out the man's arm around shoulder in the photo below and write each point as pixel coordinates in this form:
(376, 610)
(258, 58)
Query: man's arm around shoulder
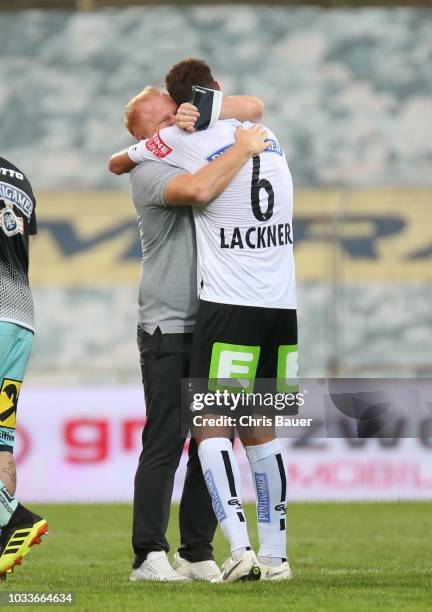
(162, 146)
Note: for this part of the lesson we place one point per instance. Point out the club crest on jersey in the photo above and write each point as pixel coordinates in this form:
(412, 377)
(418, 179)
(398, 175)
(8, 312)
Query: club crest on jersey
(158, 147)
(9, 222)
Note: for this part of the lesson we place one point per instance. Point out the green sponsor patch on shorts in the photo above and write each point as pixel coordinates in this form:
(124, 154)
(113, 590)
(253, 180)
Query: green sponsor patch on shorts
(233, 367)
(287, 369)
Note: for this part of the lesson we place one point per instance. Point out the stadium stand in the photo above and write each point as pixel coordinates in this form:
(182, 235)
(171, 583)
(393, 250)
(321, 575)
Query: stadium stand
(89, 5)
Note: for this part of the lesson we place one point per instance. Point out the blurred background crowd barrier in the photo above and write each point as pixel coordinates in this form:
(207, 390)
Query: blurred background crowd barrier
(348, 92)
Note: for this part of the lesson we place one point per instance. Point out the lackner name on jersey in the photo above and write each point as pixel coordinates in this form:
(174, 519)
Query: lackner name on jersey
(256, 237)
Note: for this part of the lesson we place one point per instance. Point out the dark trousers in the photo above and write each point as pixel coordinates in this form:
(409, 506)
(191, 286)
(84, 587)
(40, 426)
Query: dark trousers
(165, 360)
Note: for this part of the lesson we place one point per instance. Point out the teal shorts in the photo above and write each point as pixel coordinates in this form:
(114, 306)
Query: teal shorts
(15, 348)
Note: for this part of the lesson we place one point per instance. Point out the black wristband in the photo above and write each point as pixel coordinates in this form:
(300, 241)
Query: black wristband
(208, 102)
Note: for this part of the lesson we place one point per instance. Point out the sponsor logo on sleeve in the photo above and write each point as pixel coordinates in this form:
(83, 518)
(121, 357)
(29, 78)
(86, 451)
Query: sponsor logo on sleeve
(219, 152)
(12, 173)
(158, 147)
(17, 197)
(274, 147)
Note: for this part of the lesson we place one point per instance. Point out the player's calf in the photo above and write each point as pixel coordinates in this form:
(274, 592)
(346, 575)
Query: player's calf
(222, 477)
(268, 473)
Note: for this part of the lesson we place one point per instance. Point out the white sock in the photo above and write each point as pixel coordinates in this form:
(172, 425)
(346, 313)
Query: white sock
(8, 503)
(222, 476)
(268, 474)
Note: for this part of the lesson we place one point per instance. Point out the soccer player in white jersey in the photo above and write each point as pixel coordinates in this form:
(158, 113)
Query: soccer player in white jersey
(247, 315)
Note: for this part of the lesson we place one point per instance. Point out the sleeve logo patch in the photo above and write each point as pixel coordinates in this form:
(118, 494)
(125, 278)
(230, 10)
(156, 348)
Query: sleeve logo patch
(10, 223)
(274, 147)
(219, 152)
(158, 147)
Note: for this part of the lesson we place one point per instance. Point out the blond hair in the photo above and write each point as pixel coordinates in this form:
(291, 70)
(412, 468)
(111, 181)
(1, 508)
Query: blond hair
(130, 110)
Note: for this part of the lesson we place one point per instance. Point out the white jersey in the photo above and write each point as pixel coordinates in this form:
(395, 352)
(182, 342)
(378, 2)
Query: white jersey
(244, 236)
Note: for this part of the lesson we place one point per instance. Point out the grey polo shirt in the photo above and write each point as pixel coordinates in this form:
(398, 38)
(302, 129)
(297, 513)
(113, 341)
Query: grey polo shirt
(167, 296)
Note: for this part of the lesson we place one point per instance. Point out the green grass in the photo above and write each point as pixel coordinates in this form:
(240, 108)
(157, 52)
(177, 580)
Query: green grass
(344, 557)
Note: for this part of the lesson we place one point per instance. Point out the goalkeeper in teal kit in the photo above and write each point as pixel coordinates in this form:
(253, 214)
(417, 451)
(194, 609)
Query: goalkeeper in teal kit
(19, 527)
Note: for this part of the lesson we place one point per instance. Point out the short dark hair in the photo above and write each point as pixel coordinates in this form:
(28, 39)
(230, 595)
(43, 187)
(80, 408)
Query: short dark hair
(184, 74)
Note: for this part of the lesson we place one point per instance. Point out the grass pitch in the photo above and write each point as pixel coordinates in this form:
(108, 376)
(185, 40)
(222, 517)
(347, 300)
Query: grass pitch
(344, 557)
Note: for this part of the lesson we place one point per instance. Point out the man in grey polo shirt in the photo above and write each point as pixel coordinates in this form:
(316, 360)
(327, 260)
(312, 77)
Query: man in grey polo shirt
(167, 307)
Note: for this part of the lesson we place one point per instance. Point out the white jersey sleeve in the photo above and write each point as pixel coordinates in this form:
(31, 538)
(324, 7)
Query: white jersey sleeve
(164, 146)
